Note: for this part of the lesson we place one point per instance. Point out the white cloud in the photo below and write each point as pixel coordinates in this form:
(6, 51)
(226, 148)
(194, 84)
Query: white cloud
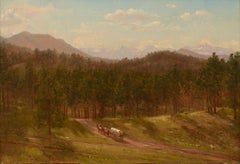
(88, 36)
(185, 15)
(201, 13)
(20, 18)
(231, 44)
(234, 44)
(140, 26)
(196, 14)
(154, 23)
(11, 17)
(128, 15)
(171, 5)
(133, 19)
(33, 11)
(206, 41)
(11, 22)
(83, 29)
(24, 13)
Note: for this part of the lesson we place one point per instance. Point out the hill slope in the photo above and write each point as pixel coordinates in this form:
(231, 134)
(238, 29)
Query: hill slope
(191, 53)
(22, 142)
(162, 61)
(198, 130)
(1, 38)
(42, 42)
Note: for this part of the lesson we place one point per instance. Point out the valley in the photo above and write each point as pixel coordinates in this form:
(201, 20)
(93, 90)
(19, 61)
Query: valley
(170, 107)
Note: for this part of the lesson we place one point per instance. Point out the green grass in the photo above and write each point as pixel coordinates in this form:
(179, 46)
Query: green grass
(192, 130)
(78, 144)
(123, 154)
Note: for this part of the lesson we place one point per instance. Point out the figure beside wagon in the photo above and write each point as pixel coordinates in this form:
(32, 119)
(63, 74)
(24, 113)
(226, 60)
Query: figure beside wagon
(112, 132)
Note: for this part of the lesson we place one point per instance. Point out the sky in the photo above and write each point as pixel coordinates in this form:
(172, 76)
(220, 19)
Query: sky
(111, 24)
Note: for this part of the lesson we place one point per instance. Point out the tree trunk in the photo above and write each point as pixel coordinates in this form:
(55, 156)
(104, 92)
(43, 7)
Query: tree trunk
(165, 108)
(235, 106)
(214, 105)
(235, 113)
(155, 106)
(75, 111)
(208, 103)
(3, 99)
(85, 112)
(1, 104)
(102, 111)
(7, 100)
(78, 111)
(125, 109)
(175, 105)
(1, 154)
(114, 111)
(94, 111)
(49, 122)
(72, 113)
(136, 110)
(32, 98)
(65, 109)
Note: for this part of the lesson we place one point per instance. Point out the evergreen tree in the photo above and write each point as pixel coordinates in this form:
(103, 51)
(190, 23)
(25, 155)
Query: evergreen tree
(48, 100)
(211, 81)
(234, 81)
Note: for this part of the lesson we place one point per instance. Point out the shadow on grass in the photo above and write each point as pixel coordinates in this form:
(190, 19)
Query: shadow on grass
(149, 128)
(76, 128)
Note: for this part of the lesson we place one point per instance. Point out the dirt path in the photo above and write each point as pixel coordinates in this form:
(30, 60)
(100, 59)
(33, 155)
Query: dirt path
(89, 124)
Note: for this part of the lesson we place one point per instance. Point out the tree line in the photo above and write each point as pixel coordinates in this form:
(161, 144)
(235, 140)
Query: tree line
(59, 85)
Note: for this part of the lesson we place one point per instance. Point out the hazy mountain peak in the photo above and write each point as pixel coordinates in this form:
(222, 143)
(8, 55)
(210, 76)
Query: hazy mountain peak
(1, 38)
(42, 42)
(207, 50)
(24, 33)
(188, 52)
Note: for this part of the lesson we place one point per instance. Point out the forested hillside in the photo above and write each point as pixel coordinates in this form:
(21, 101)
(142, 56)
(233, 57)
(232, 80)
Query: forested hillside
(60, 85)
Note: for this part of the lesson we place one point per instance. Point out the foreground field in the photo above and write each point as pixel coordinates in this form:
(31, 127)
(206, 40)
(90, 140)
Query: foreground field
(215, 133)
(75, 143)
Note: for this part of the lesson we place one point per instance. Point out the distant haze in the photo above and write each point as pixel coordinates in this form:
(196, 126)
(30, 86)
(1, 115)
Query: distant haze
(45, 41)
(120, 26)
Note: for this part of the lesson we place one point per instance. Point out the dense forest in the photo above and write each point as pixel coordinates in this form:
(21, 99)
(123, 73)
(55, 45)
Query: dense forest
(58, 86)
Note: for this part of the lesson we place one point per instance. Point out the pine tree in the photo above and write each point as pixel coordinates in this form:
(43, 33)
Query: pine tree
(234, 81)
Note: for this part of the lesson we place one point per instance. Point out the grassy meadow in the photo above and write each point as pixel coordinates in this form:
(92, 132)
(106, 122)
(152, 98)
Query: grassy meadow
(22, 141)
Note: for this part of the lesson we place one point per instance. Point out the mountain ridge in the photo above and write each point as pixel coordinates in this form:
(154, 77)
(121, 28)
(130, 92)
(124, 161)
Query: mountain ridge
(43, 42)
(199, 51)
(2, 38)
(188, 52)
(46, 41)
(207, 50)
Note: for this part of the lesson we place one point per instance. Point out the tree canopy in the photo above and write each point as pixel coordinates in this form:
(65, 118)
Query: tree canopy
(60, 85)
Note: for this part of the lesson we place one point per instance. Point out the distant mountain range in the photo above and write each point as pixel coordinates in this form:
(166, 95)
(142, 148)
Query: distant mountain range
(1, 39)
(201, 51)
(120, 53)
(42, 42)
(205, 50)
(191, 53)
(45, 41)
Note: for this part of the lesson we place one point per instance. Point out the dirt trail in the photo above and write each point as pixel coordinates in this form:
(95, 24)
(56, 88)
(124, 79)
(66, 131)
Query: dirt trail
(89, 124)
